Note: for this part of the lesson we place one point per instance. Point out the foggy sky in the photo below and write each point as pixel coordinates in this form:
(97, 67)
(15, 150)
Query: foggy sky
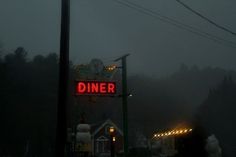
(106, 29)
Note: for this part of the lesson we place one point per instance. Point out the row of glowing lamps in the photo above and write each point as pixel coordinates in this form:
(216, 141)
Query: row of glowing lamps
(173, 132)
(111, 67)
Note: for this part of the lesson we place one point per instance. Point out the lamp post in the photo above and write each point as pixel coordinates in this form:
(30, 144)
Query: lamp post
(124, 101)
(112, 141)
(61, 131)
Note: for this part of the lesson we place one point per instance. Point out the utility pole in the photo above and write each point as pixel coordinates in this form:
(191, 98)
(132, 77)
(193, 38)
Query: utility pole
(124, 101)
(61, 132)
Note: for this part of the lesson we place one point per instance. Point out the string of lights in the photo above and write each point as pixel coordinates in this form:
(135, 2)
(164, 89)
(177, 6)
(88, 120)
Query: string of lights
(172, 133)
(206, 18)
(176, 23)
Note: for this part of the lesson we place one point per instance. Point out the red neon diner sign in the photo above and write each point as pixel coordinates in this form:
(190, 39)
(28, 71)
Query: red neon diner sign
(95, 88)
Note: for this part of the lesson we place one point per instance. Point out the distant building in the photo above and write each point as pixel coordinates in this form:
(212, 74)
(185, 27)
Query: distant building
(101, 139)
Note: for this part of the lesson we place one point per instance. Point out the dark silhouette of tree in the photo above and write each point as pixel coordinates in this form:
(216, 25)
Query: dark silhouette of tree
(18, 57)
(217, 114)
(28, 103)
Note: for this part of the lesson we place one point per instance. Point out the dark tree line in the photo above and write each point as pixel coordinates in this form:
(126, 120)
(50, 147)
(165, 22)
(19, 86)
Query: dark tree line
(167, 101)
(28, 103)
(217, 115)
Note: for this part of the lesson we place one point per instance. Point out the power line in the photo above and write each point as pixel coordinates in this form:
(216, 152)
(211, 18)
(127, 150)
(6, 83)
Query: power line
(175, 23)
(205, 18)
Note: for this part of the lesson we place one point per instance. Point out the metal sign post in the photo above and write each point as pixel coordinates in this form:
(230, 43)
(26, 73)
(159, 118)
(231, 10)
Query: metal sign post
(124, 102)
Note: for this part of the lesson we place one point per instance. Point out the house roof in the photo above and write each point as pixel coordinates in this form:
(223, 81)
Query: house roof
(97, 127)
